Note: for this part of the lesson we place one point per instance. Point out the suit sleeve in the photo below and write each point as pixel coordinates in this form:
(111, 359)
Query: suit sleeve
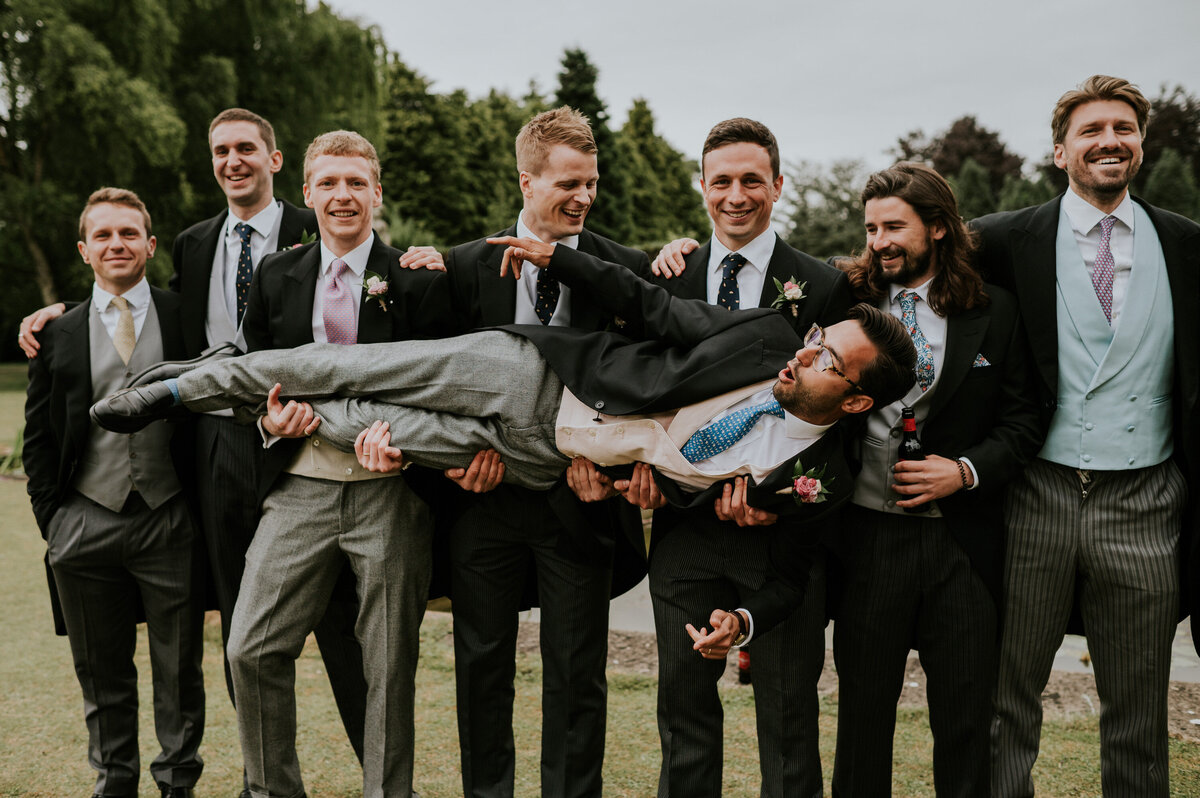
(40, 453)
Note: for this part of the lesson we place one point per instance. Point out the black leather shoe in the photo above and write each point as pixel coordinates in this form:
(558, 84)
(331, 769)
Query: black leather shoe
(175, 792)
(170, 369)
(132, 409)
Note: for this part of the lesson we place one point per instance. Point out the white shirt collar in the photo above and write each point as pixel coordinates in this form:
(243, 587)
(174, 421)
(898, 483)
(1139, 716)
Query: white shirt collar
(757, 253)
(356, 258)
(137, 297)
(796, 427)
(1085, 216)
(523, 231)
(921, 290)
(262, 222)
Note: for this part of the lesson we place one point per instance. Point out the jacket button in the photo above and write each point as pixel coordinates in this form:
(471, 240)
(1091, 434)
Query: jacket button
(599, 404)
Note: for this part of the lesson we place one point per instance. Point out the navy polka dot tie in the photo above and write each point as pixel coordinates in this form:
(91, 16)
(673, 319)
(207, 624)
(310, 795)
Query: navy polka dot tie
(723, 433)
(728, 295)
(245, 268)
(547, 296)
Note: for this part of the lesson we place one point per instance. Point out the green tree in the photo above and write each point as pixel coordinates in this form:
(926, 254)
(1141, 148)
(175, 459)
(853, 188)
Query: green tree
(826, 217)
(1171, 185)
(1175, 126)
(965, 139)
(972, 187)
(610, 215)
(1021, 192)
(663, 198)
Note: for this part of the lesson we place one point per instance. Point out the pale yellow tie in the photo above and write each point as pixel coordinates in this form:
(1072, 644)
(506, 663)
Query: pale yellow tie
(123, 338)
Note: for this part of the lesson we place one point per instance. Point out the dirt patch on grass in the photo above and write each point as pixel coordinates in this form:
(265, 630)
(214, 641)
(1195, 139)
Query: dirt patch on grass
(1068, 695)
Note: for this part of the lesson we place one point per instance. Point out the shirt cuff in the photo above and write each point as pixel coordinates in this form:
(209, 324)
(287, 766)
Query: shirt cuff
(974, 474)
(750, 631)
(268, 439)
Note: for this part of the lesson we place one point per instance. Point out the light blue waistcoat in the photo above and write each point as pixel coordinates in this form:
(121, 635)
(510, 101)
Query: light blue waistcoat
(1114, 385)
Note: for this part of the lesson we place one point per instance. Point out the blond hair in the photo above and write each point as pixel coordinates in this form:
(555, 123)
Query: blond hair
(341, 142)
(113, 196)
(563, 125)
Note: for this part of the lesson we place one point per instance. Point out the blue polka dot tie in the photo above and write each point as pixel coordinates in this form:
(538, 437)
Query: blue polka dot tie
(245, 268)
(908, 317)
(728, 295)
(723, 433)
(547, 296)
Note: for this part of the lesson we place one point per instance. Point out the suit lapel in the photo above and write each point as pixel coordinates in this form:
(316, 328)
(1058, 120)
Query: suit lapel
(291, 226)
(1034, 266)
(375, 323)
(1183, 272)
(964, 334)
(299, 286)
(166, 305)
(497, 295)
(73, 350)
(585, 314)
(694, 280)
(781, 268)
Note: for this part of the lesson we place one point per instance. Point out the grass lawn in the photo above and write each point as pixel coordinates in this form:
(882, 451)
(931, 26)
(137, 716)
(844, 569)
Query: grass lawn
(43, 740)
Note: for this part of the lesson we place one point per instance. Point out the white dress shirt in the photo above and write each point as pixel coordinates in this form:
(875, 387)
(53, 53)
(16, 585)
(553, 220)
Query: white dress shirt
(1085, 224)
(527, 288)
(770, 442)
(750, 277)
(138, 299)
(220, 323)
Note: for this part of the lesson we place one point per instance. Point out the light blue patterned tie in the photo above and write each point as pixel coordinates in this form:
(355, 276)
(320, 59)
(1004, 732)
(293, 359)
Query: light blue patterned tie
(723, 433)
(908, 317)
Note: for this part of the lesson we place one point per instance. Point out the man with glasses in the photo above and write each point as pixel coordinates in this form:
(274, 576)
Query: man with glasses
(922, 542)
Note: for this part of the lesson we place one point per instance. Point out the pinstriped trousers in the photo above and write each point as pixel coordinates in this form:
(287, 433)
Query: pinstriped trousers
(908, 584)
(1113, 548)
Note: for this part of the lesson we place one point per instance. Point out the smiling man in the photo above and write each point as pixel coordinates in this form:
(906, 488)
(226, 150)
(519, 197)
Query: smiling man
(112, 510)
(1102, 518)
(320, 508)
(511, 542)
(921, 548)
(738, 268)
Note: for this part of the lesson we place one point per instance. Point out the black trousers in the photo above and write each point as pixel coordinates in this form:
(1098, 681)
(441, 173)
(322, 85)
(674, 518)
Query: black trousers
(909, 585)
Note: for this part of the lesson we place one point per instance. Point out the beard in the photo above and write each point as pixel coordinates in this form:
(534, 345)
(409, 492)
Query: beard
(910, 269)
(805, 403)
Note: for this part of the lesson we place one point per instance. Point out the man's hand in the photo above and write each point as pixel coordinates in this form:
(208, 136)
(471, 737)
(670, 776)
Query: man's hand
(715, 645)
(375, 452)
(640, 490)
(293, 420)
(422, 258)
(484, 474)
(926, 480)
(731, 505)
(32, 324)
(520, 250)
(668, 262)
(588, 483)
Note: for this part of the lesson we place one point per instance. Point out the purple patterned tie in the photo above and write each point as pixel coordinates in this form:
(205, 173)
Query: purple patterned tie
(1102, 270)
(339, 303)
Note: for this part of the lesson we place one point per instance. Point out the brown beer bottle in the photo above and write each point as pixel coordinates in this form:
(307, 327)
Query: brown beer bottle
(910, 449)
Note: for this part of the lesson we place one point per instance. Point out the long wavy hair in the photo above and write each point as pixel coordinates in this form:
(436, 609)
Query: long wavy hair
(956, 285)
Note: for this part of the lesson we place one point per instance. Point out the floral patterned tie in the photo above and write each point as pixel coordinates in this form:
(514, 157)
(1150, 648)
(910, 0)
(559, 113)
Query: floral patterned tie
(908, 317)
(1103, 268)
(723, 433)
(339, 302)
(728, 295)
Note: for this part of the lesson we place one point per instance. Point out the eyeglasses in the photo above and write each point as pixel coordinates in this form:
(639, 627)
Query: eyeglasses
(815, 339)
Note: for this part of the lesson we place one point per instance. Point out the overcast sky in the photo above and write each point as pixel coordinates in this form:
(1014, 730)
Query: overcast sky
(832, 78)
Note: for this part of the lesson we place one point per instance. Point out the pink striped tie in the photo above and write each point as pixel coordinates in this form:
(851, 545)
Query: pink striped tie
(338, 311)
(1102, 269)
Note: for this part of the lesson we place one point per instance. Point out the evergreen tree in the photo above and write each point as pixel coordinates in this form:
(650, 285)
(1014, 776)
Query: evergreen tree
(610, 215)
(964, 140)
(1172, 186)
(827, 215)
(973, 189)
(663, 197)
(1020, 192)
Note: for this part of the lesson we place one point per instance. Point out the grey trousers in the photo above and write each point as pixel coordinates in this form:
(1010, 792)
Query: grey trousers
(308, 529)
(103, 563)
(444, 399)
(1114, 549)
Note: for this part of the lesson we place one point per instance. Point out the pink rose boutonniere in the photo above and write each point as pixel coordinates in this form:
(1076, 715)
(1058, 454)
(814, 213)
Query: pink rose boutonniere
(377, 287)
(790, 294)
(808, 487)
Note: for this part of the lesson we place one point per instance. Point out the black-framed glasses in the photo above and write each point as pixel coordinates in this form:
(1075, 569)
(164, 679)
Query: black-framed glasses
(815, 339)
